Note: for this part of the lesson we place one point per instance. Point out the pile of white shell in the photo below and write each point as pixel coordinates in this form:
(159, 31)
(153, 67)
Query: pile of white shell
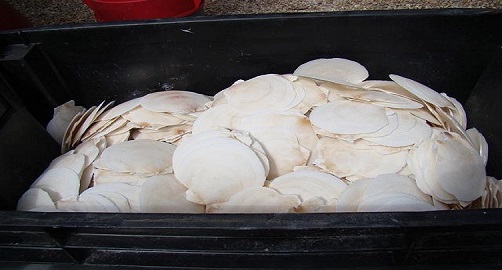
(323, 139)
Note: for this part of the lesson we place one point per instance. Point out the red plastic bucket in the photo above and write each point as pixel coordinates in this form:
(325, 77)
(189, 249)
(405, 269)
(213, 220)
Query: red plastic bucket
(121, 10)
(10, 18)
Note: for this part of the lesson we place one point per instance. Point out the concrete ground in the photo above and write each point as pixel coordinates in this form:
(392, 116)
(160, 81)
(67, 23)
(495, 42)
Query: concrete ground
(50, 12)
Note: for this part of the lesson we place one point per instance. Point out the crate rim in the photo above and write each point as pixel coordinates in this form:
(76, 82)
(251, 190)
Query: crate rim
(265, 16)
(287, 221)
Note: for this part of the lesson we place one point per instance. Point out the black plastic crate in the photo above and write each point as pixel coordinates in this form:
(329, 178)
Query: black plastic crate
(454, 51)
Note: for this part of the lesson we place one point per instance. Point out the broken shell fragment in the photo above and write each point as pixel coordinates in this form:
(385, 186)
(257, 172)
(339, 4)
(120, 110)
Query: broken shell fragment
(62, 118)
(166, 134)
(314, 95)
(281, 148)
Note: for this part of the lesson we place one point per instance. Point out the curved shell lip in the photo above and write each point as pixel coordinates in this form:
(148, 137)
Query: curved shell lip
(211, 119)
(349, 198)
(35, 198)
(386, 130)
(248, 201)
(422, 91)
(165, 194)
(109, 127)
(157, 157)
(144, 118)
(86, 123)
(390, 87)
(174, 101)
(410, 131)
(59, 183)
(269, 92)
(388, 100)
(66, 140)
(119, 109)
(336, 70)
(480, 143)
(330, 80)
(354, 161)
(328, 186)
(452, 124)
